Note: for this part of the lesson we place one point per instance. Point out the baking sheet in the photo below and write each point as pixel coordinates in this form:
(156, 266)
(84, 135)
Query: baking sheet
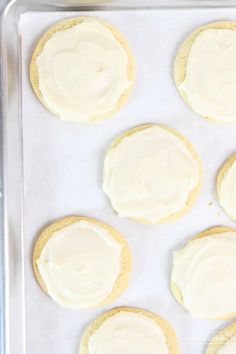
(63, 175)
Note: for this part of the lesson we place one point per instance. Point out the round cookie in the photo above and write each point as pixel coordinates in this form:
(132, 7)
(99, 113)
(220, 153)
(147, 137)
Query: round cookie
(222, 338)
(192, 195)
(66, 25)
(180, 62)
(122, 280)
(221, 178)
(174, 286)
(169, 334)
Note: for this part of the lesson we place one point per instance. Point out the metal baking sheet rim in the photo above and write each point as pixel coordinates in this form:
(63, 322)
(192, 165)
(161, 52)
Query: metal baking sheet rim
(12, 306)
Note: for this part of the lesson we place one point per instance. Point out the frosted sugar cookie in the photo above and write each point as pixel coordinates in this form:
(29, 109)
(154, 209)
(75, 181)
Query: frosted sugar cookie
(81, 262)
(82, 69)
(224, 342)
(204, 71)
(151, 174)
(226, 186)
(129, 330)
(204, 274)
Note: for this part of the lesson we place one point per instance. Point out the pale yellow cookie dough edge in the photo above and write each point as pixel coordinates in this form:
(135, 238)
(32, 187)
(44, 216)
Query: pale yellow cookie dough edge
(169, 333)
(209, 232)
(64, 25)
(122, 281)
(220, 177)
(180, 62)
(221, 339)
(192, 195)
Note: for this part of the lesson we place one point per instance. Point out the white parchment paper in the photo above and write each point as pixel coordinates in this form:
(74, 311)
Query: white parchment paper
(63, 175)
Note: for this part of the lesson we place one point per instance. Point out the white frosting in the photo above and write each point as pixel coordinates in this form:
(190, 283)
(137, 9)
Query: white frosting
(83, 71)
(80, 264)
(205, 272)
(210, 83)
(229, 347)
(227, 191)
(127, 333)
(150, 174)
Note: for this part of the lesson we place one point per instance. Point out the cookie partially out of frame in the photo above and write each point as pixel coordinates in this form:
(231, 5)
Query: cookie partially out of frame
(181, 60)
(218, 342)
(166, 329)
(228, 201)
(174, 286)
(67, 24)
(122, 280)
